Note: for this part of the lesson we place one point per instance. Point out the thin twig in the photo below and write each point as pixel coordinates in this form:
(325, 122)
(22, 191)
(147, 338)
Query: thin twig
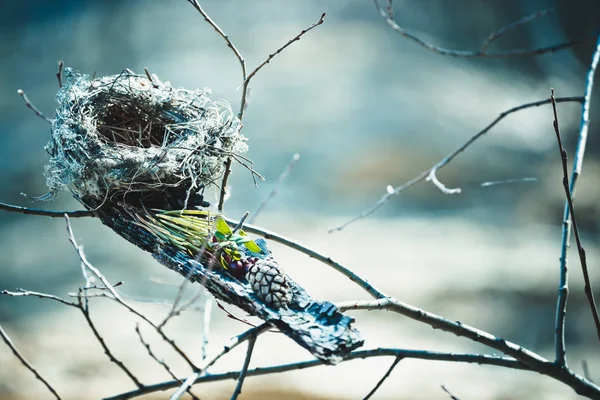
(563, 286)
(45, 213)
(26, 363)
(33, 108)
(114, 295)
(85, 263)
(423, 175)
(86, 313)
(234, 342)
(61, 65)
(208, 306)
(158, 360)
(514, 25)
(279, 50)
(563, 291)
(383, 378)
(240, 224)
(452, 395)
(224, 184)
(359, 354)
(242, 62)
(23, 292)
(589, 293)
(389, 19)
(238, 55)
(532, 360)
(508, 181)
(275, 188)
(244, 371)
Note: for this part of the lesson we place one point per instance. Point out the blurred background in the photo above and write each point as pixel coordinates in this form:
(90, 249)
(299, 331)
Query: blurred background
(364, 108)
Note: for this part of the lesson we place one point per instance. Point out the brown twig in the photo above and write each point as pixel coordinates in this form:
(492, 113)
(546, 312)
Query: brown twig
(26, 363)
(275, 188)
(563, 286)
(33, 108)
(238, 55)
(224, 184)
(86, 313)
(61, 65)
(589, 293)
(279, 50)
(244, 370)
(390, 20)
(383, 378)
(430, 173)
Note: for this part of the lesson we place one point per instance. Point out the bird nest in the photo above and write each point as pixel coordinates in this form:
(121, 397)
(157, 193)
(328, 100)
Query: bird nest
(128, 135)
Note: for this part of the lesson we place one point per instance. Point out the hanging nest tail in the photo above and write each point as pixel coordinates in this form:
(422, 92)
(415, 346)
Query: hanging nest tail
(139, 153)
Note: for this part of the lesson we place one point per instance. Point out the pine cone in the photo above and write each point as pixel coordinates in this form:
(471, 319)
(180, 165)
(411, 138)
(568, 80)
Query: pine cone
(269, 283)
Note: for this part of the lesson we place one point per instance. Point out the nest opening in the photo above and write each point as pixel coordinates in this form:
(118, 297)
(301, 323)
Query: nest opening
(128, 122)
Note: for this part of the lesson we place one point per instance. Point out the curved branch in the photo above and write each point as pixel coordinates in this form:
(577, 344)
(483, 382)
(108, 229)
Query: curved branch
(359, 354)
(425, 174)
(483, 53)
(532, 360)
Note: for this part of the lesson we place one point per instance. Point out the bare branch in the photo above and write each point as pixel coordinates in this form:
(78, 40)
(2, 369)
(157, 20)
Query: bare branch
(240, 224)
(234, 342)
(425, 174)
(33, 108)
(452, 395)
(561, 356)
(521, 354)
(224, 184)
(159, 361)
(563, 286)
(279, 50)
(514, 25)
(26, 363)
(389, 19)
(238, 55)
(275, 189)
(61, 65)
(383, 378)
(44, 213)
(86, 313)
(85, 263)
(359, 354)
(23, 292)
(244, 371)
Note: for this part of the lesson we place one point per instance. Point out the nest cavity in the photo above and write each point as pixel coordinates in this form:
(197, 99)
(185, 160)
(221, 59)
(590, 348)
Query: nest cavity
(129, 133)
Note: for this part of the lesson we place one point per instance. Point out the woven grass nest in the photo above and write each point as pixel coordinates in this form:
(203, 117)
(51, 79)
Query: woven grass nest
(125, 134)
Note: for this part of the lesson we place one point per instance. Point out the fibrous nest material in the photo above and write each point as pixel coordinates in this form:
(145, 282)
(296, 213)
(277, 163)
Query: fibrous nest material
(128, 133)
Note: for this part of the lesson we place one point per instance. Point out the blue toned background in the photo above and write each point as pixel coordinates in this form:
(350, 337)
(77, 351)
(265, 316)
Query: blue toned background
(364, 108)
